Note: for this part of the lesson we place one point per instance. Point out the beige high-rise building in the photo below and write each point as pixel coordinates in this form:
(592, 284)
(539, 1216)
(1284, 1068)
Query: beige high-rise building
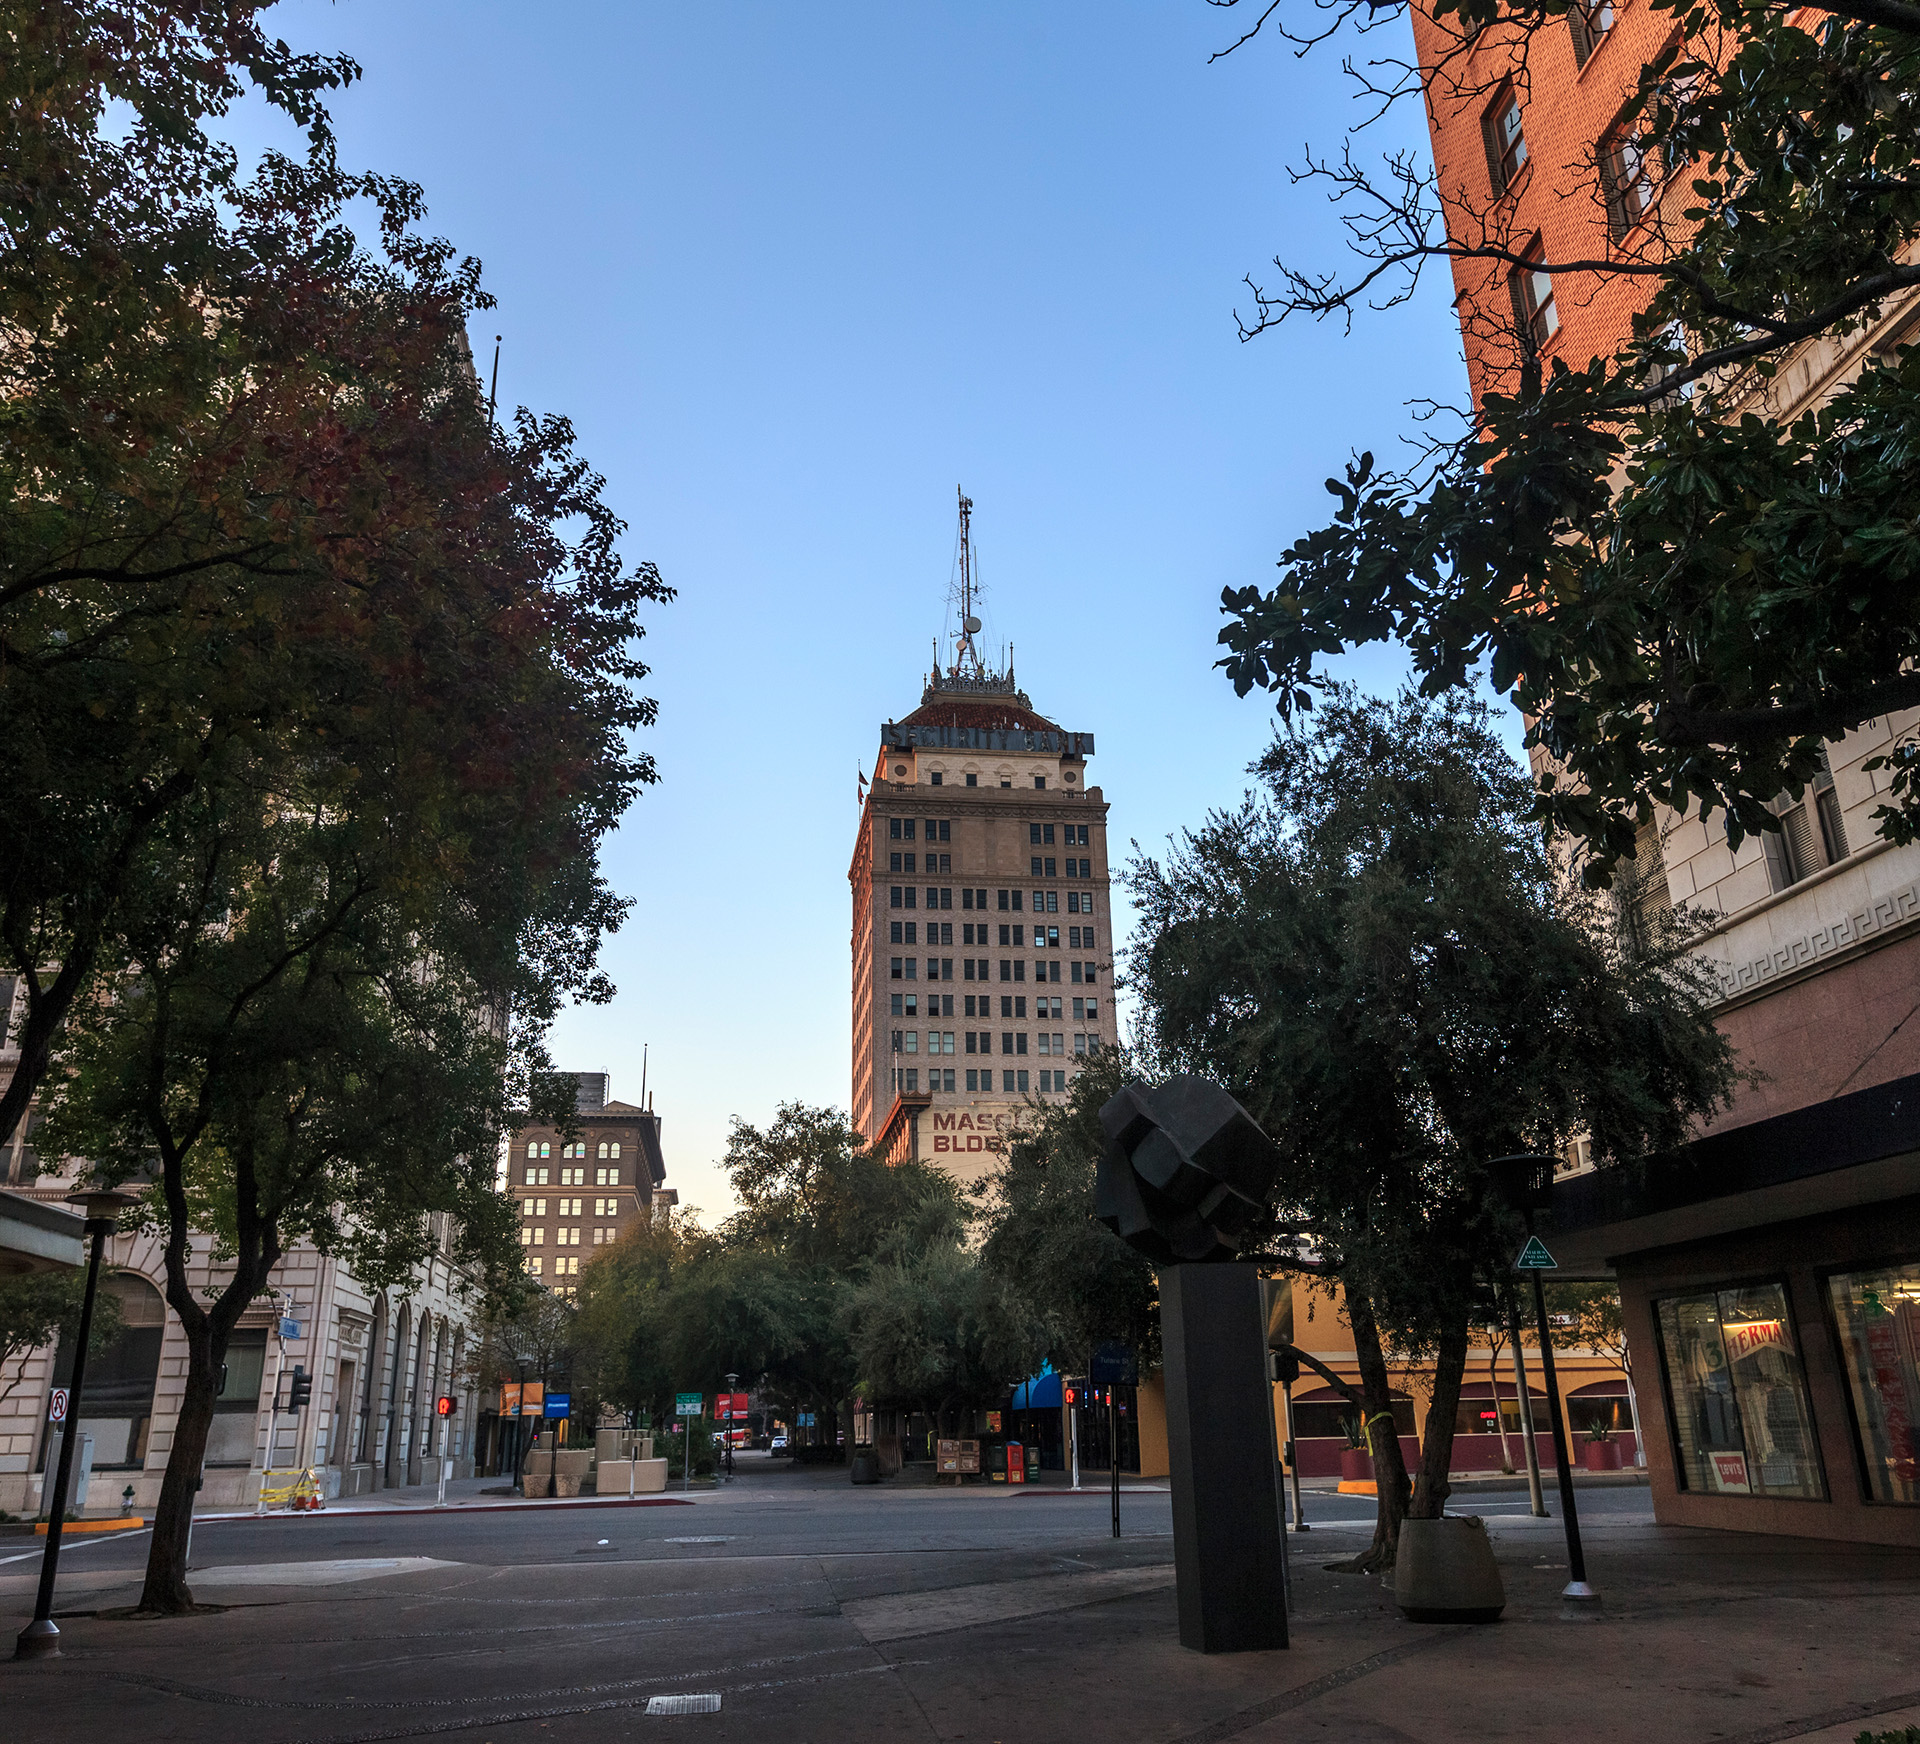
(982, 930)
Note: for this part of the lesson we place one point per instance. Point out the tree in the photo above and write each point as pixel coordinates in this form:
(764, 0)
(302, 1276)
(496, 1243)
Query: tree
(245, 476)
(940, 1332)
(38, 1309)
(1041, 1237)
(1684, 591)
(1376, 958)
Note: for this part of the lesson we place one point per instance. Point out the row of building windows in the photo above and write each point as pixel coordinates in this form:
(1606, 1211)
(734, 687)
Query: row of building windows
(571, 1207)
(572, 1177)
(1017, 1081)
(932, 863)
(941, 830)
(907, 1041)
(981, 1005)
(538, 1149)
(1042, 867)
(937, 829)
(979, 969)
(1010, 901)
(1071, 835)
(564, 1266)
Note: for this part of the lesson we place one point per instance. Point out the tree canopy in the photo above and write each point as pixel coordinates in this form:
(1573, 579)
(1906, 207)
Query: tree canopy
(1684, 582)
(1374, 955)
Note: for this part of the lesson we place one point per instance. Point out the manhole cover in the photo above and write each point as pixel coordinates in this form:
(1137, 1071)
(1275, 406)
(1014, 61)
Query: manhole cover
(697, 1541)
(683, 1704)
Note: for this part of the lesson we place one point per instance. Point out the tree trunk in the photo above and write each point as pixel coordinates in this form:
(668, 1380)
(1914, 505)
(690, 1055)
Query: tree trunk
(1389, 1469)
(1431, 1490)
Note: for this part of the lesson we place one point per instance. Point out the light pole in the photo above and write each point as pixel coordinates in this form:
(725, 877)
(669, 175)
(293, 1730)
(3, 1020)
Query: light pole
(41, 1638)
(733, 1380)
(1528, 1181)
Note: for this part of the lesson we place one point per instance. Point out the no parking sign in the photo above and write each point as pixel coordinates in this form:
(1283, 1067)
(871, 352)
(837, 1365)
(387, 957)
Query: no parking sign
(57, 1405)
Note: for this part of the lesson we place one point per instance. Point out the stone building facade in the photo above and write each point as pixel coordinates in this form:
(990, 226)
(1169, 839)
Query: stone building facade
(982, 937)
(579, 1194)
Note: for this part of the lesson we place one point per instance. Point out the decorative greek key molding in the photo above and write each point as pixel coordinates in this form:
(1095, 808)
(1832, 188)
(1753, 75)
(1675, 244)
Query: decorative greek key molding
(1893, 909)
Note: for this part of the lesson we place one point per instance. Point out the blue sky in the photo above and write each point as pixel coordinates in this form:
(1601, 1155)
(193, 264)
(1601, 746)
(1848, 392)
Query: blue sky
(797, 271)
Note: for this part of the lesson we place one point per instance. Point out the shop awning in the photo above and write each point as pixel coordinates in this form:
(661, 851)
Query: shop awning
(1041, 1393)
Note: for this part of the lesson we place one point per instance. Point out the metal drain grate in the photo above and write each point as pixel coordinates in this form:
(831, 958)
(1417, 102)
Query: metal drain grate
(683, 1704)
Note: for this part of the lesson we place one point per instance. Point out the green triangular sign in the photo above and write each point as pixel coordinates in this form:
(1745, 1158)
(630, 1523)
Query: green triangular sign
(1535, 1258)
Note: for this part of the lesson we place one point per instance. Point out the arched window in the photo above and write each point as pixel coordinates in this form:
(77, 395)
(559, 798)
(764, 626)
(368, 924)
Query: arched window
(615, 1151)
(117, 1406)
(603, 1147)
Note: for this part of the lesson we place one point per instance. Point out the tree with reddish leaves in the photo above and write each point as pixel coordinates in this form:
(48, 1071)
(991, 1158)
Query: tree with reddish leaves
(318, 688)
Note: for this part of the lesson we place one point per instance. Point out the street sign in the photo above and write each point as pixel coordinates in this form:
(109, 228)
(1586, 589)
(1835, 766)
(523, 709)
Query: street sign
(289, 1327)
(1535, 1258)
(1113, 1365)
(556, 1404)
(689, 1404)
(57, 1405)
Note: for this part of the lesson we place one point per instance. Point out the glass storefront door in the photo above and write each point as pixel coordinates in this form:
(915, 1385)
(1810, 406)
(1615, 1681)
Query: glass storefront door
(1736, 1395)
(1877, 1314)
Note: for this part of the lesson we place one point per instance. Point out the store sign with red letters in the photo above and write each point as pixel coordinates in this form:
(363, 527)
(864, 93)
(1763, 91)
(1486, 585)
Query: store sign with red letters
(1746, 1337)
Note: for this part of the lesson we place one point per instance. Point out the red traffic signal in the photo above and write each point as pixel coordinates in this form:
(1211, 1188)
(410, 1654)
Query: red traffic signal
(1070, 1395)
(444, 1405)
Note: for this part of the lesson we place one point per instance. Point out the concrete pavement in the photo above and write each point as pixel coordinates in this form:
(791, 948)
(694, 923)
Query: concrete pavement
(818, 1612)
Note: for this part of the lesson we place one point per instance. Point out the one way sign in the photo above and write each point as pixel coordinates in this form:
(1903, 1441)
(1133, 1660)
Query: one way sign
(1535, 1258)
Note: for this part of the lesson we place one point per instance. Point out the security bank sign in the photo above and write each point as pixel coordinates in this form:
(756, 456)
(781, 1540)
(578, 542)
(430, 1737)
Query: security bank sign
(960, 1132)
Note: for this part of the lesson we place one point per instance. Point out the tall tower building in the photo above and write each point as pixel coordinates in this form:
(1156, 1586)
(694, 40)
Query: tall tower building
(982, 931)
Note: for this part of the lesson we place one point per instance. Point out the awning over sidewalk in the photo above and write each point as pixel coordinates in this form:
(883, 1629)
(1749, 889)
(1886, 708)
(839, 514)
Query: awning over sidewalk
(1041, 1393)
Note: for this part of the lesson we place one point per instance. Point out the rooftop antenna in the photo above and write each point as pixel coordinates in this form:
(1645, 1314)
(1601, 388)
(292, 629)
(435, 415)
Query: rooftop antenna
(966, 656)
(643, 1074)
(493, 393)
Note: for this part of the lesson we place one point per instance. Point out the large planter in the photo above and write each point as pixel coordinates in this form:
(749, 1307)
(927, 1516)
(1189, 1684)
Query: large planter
(864, 1467)
(1603, 1456)
(1445, 1572)
(1356, 1464)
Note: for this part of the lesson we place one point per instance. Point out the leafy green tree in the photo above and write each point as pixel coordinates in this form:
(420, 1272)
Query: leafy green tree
(1685, 586)
(1042, 1240)
(1376, 957)
(938, 1331)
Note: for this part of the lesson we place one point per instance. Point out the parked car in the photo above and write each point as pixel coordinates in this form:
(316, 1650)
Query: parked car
(779, 1442)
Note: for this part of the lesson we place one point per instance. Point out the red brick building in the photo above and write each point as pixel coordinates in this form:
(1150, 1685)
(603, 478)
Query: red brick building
(1770, 1274)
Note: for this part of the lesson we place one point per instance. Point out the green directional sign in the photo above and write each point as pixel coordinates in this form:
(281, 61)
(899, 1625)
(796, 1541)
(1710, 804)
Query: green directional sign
(692, 1404)
(1535, 1258)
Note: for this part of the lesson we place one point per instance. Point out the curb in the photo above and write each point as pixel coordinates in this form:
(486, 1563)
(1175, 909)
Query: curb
(460, 1508)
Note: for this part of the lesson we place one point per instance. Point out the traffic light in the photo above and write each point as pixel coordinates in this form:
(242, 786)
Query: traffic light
(1069, 1395)
(300, 1390)
(444, 1405)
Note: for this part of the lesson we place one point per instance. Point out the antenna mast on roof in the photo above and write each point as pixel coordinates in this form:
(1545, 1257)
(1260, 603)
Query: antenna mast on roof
(966, 655)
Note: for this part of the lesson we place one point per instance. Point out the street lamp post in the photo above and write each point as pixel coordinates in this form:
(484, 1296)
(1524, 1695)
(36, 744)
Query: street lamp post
(41, 1638)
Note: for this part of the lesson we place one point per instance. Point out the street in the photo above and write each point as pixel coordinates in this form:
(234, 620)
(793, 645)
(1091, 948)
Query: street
(815, 1611)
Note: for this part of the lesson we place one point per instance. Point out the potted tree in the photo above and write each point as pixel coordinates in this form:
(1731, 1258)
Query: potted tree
(1356, 1462)
(1603, 1453)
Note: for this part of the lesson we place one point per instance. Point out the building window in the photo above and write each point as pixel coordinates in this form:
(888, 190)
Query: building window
(606, 1177)
(536, 1177)
(573, 1177)
(973, 1079)
(913, 1078)
(906, 828)
(946, 895)
(1878, 1316)
(1627, 170)
(1533, 305)
(1041, 834)
(913, 1041)
(973, 780)
(535, 1266)
(946, 1079)
(1589, 25)
(614, 1150)
(913, 894)
(1039, 781)
(1074, 835)
(1811, 834)
(1506, 143)
(895, 900)
(606, 1208)
(893, 828)
(1736, 1396)
(934, 779)
(943, 825)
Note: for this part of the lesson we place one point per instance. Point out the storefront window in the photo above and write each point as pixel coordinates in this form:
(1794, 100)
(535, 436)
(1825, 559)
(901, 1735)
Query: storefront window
(1738, 1398)
(1878, 1314)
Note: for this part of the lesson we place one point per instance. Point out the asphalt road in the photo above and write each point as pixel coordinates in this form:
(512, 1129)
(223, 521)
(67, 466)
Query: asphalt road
(799, 1608)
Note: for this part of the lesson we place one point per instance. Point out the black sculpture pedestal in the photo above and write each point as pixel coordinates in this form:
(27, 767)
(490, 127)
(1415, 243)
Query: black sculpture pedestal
(1228, 1545)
